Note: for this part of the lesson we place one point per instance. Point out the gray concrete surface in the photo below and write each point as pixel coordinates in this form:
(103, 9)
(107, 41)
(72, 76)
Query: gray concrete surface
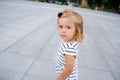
(29, 42)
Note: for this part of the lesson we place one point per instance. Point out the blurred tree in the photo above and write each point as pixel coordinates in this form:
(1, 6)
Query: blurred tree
(108, 4)
(111, 4)
(84, 2)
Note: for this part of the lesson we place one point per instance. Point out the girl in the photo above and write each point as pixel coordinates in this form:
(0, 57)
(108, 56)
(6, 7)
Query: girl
(70, 29)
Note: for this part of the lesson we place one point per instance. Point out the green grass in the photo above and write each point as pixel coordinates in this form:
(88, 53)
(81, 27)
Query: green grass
(87, 7)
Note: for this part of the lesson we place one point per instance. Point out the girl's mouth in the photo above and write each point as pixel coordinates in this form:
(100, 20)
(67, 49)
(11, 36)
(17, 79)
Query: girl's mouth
(63, 35)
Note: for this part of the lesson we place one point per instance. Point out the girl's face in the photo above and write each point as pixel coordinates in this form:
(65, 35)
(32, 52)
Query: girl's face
(66, 29)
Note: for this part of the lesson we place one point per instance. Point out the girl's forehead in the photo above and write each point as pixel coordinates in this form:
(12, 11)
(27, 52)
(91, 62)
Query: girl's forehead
(66, 22)
(65, 19)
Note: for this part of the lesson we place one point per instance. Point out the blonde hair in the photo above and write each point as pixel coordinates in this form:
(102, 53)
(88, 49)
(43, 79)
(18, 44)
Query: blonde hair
(77, 21)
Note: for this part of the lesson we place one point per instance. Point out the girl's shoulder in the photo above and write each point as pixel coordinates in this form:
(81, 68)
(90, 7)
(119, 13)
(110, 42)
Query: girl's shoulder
(70, 44)
(70, 48)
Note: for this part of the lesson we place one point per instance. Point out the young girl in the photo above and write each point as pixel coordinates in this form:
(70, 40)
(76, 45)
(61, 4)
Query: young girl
(70, 29)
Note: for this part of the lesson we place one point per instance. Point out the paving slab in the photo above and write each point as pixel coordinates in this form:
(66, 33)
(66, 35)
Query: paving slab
(46, 71)
(13, 67)
(34, 42)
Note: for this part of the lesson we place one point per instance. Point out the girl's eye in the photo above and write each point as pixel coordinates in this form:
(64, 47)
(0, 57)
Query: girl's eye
(60, 26)
(68, 27)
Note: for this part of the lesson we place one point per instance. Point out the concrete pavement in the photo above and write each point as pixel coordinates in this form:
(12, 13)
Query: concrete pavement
(29, 42)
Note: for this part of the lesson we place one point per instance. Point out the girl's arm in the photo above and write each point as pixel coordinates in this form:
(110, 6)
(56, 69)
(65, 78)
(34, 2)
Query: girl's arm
(69, 60)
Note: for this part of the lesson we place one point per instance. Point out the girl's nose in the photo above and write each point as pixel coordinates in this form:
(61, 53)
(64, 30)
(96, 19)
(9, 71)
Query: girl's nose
(63, 30)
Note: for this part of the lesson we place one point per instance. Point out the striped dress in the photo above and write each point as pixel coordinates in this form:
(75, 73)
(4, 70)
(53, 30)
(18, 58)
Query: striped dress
(69, 48)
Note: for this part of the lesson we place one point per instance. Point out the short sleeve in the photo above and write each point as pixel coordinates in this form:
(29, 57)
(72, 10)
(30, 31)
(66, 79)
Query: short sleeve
(70, 50)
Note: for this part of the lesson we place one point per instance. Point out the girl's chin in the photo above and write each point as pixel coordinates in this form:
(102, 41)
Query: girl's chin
(66, 40)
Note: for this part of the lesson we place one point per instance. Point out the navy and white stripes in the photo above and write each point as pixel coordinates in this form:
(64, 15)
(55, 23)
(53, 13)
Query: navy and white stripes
(70, 48)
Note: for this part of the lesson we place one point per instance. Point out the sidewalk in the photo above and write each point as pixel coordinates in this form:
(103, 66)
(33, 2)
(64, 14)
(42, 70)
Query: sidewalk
(29, 42)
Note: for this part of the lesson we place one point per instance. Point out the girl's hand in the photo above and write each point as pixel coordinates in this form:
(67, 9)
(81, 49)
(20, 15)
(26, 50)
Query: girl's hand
(59, 78)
